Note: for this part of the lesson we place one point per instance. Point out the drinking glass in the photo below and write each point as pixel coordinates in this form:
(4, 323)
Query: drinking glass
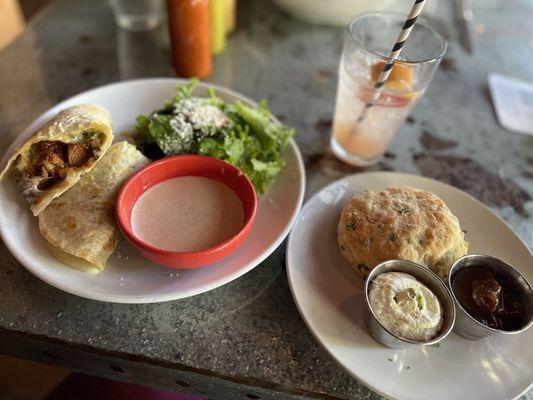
(368, 41)
(137, 15)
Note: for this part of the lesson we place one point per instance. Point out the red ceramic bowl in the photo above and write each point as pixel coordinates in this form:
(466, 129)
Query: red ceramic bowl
(188, 165)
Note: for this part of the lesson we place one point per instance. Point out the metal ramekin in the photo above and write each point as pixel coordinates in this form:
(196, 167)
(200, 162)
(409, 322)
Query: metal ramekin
(467, 326)
(428, 278)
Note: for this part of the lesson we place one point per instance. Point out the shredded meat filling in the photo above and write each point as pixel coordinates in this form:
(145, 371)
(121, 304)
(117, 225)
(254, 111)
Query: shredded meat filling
(50, 161)
(49, 158)
(79, 154)
(53, 158)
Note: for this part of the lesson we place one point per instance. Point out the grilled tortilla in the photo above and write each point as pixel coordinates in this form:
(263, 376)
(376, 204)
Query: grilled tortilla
(59, 153)
(80, 224)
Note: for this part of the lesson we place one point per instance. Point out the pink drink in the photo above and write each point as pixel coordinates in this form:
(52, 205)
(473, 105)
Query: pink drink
(371, 137)
(367, 44)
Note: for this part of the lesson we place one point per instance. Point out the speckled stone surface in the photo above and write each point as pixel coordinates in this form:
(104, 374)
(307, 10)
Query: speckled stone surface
(250, 328)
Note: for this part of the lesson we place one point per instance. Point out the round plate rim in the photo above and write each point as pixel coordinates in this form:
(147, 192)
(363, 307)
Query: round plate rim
(145, 299)
(291, 282)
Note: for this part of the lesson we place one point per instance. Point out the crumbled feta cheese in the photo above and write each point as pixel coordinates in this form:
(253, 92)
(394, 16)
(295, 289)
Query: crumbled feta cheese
(200, 114)
(192, 119)
(184, 137)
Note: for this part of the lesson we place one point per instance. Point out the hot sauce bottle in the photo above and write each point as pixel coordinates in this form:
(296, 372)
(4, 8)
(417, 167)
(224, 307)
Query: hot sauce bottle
(189, 29)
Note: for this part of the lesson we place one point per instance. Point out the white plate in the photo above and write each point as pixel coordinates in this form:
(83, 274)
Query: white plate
(329, 297)
(129, 278)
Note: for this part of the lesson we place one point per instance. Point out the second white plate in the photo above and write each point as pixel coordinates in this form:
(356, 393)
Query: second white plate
(329, 296)
(129, 278)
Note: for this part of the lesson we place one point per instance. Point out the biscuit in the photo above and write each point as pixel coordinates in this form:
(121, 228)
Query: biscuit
(400, 223)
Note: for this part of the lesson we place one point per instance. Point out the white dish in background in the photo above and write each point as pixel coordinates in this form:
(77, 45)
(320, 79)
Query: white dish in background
(328, 294)
(334, 12)
(129, 278)
(340, 12)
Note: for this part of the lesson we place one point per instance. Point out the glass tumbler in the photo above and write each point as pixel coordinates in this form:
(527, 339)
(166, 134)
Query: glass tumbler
(368, 41)
(137, 15)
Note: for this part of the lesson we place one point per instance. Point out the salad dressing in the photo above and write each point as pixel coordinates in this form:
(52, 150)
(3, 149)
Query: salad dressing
(187, 213)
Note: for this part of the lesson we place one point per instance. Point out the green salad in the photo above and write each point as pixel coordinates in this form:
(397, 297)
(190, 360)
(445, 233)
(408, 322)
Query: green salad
(240, 134)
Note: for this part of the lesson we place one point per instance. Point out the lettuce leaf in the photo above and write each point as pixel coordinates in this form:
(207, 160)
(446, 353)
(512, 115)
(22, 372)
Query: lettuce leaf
(250, 140)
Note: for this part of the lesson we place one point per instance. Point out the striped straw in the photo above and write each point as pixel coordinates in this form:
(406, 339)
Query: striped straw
(393, 56)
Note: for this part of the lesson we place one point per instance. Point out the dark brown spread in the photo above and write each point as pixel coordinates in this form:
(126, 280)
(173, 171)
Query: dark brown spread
(492, 298)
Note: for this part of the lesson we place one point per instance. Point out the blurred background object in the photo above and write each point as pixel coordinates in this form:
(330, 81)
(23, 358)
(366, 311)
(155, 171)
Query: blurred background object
(230, 15)
(137, 15)
(12, 21)
(85, 387)
(218, 25)
(334, 12)
(340, 12)
(138, 20)
(14, 15)
(190, 37)
(198, 30)
(465, 17)
(26, 380)
(134, 48)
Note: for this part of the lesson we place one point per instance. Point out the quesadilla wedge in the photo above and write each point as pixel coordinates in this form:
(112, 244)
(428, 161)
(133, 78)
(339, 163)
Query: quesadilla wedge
(59, 153)
(80, 224)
